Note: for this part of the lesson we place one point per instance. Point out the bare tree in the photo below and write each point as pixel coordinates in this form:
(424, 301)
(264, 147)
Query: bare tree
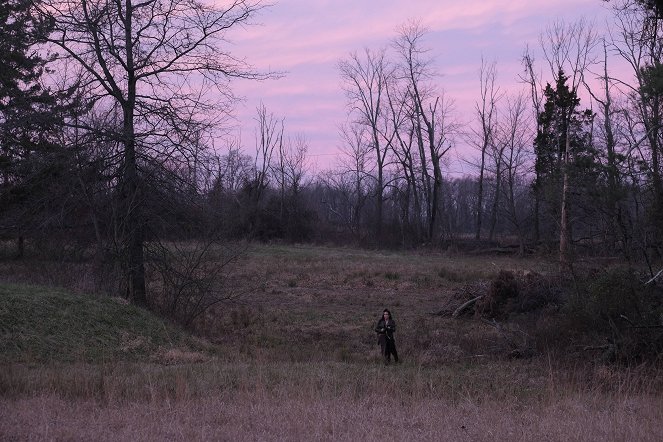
(295, 162)
(513, 136)
(196, 275)
(431, 112)
(269, 137)
(234, 168)
(406, 156)
(485, 113)
(290, 170)
(355, 169)
(365, 80)
(567, 49)
(602, 93)
(148, 58)
(638, 39)
(533, 81)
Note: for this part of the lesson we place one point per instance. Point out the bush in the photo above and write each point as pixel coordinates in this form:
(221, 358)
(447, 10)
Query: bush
(615, 299)
(620, 308)
(510, 293)
(501, 291)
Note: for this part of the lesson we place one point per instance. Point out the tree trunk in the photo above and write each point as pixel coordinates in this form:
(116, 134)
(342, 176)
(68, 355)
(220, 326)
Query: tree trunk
(131, 204)
(657, 181)
(437, 188)
(425, 176)
(564, 227)
(496, 200)
(484, 146)
(379, 192)
(20, 246)
(417, 203)
(477, 236)
(132, 194)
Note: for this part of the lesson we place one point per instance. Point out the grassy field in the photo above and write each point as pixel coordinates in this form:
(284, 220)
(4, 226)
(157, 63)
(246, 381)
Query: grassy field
(295, 358)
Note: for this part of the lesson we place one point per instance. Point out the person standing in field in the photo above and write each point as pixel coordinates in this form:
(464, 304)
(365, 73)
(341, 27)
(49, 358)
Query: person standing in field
(385, 329)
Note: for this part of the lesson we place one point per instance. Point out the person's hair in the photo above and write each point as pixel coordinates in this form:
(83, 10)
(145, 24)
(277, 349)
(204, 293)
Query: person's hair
(386, 311)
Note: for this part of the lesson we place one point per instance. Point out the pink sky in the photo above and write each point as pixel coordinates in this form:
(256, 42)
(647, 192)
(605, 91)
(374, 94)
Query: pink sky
(307, 38)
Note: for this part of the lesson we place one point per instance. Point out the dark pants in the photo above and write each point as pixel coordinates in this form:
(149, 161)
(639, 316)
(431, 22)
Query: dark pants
(388, 348)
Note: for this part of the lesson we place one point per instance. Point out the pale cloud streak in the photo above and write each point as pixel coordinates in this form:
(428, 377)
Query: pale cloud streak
(307, 38)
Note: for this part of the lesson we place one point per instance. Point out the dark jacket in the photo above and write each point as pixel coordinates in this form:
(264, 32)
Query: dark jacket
(385, 330)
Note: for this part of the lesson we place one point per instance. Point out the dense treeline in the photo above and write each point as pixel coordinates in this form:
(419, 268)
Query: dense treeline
(107, 123)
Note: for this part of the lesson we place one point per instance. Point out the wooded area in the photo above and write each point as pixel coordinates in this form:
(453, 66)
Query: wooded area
(112, 115)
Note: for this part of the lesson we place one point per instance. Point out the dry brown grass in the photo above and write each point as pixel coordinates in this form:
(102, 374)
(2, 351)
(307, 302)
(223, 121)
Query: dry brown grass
(296, 359)
(372, 419)
(518, 400)
(305, 303)
(286, 415)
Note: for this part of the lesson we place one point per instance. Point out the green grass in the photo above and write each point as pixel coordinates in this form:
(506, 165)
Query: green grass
(39, 324)
(392, 276)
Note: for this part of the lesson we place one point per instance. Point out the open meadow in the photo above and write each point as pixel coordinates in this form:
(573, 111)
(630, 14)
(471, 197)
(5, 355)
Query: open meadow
(294, 357)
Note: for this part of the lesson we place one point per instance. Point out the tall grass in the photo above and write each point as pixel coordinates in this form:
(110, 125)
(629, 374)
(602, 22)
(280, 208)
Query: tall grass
(528, 381)
(326, 401)
(330, 418)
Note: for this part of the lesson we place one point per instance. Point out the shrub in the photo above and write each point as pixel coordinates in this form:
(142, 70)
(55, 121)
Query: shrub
(501, 290)
(615, 298)
(450, 275)
(537, 292)
(620, 308)
(518, 293)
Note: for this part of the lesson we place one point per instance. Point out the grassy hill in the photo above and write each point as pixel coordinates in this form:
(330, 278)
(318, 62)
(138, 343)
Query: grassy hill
(40, 324)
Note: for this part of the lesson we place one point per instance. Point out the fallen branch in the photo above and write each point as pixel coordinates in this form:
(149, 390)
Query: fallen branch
(633, 325)
(626, 319)
(655, 276)
(466, 305)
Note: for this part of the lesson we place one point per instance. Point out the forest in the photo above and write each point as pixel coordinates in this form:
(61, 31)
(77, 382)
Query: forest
(162, 279)
(114, 144)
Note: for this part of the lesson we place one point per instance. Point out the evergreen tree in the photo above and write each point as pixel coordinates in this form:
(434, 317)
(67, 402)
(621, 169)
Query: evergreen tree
(28, 124)
(25, 105)
(655, 6)
(561, 118)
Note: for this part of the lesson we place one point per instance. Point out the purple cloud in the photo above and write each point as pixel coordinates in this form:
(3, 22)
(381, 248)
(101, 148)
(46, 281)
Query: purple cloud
(307, 38)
